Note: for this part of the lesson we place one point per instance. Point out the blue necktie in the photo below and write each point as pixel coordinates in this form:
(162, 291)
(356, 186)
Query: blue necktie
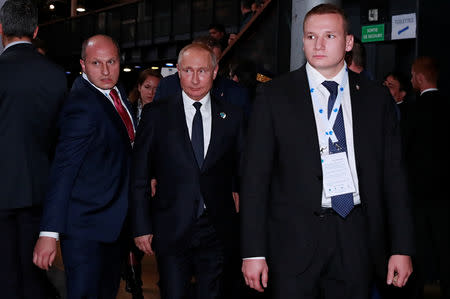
(198, 146)
(343, 203)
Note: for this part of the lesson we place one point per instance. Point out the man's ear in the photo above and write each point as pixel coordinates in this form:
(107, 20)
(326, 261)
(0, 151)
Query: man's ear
(35, 32)
(349, 39)
(216, 69)
(82, 65)
(1, 29)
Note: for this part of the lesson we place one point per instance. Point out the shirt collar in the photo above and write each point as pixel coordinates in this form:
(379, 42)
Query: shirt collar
(188, 102)
(315, 78)
(16, 43)
(427, 90)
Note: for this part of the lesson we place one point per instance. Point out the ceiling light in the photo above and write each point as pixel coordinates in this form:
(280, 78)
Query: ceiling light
(155, 68)
(81, 9)
(51, 6)
(126, 69)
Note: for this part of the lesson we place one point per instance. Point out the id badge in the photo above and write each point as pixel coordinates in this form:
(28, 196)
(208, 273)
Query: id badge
(337, 177)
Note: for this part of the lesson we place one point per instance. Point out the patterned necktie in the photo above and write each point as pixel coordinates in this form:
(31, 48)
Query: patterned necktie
(123, 113)
(198, 146)
(342, 204)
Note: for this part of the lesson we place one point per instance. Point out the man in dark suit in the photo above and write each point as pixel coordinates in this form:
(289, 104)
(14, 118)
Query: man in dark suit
(191, 144)
(32, 90)
(427, 169)
(87, 199)
(324, 196)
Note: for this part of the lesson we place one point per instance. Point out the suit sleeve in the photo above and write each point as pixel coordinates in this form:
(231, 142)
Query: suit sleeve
(397, 197)
(76, 133)
(140, 189)
(256, 179)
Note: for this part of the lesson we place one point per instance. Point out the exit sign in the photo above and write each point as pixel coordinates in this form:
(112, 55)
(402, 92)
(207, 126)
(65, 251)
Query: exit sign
(372, 33)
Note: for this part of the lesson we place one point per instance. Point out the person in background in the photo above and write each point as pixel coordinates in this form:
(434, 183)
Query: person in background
(399, 88)
(87, 198)
(324, 198)
(356, 59)
(427, 168)
(217, 32)
(144, 91)
(32, 91)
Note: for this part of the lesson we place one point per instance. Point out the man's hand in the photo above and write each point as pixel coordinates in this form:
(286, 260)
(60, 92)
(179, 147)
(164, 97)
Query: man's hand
(153, 184)
(144, 243)
(44, 252)
(399, 270)
(255, 272)
(236, 201)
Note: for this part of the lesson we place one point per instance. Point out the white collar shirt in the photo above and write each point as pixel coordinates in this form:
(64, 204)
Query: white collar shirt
(205, 109)
(315, 80)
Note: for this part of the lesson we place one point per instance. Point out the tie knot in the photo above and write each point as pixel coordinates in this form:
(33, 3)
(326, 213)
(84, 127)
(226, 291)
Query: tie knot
(114, 95)
(331, 86)
(197, 105)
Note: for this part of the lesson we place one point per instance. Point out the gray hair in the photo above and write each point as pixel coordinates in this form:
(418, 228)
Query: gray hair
(19, 18)
(200, 47)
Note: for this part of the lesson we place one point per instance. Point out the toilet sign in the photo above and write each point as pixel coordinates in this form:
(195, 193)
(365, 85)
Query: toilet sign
(403, 26)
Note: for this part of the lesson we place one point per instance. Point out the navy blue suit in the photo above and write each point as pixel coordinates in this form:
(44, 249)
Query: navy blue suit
(223, 89)
(87, 199)
(163, 151)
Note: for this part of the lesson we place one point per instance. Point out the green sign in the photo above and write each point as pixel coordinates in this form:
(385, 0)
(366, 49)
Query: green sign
(372, 33)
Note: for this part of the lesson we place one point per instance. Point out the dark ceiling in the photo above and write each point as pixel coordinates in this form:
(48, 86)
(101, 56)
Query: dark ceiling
(62, 8)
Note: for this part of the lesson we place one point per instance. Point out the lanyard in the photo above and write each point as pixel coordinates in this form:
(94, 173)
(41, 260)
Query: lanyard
(328, 132)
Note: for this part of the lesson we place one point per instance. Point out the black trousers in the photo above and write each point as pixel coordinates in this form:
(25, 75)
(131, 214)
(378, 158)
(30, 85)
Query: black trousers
(19, 277)
(203, 259)
(92, 268)
(340, 267)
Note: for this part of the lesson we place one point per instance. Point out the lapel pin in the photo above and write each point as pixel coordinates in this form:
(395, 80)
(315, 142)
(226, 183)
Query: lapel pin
(357, 87)
(223, 115)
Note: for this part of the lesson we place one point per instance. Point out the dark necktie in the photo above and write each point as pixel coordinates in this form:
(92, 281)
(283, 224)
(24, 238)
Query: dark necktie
(123, 113)
(343, 203)
(197, 135)
(198, 146)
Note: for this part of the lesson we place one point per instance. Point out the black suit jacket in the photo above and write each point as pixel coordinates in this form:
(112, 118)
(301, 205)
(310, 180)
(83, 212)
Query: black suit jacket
(163, 151)
(282, 176)
(427, 160)
(89, 179)
(32, 90)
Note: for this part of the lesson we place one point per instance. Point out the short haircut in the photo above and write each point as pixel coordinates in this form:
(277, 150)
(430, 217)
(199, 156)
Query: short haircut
(357, 55)
(328, 8)
(86, 41)
(428, 67)
(198, 46)
(404, 83)
(218, 27)
(19, 18)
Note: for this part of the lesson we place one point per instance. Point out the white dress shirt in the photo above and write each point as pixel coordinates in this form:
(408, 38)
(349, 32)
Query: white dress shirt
(205, 109)
(315, 80)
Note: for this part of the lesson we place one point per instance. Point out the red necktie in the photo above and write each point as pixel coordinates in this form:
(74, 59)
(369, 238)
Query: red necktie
(123, 113)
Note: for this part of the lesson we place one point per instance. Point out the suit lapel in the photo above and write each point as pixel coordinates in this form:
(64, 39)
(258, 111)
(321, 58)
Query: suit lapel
(218, 127)
(179, 127)
(356, 103)
(111, 112)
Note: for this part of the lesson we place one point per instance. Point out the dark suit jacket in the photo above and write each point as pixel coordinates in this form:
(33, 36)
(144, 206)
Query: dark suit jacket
(223, 89)
(89, 180)
(32, 90)
(427, 161)
(163, 150)
(282, 176)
